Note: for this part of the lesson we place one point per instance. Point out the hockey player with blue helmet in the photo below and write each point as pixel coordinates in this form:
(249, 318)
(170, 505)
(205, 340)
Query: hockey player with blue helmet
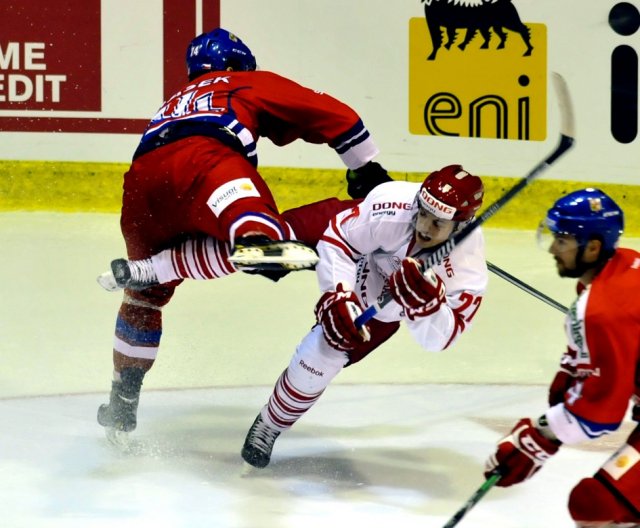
(218, 50)
(599, 375)
(582, 216)
(194, 174)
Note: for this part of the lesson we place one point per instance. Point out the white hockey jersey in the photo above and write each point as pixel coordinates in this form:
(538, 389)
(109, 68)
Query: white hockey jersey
(364, 245)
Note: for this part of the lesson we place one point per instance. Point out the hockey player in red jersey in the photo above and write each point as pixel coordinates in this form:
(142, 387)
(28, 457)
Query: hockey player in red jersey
(366, 251)
(194, 174)
(599, 374)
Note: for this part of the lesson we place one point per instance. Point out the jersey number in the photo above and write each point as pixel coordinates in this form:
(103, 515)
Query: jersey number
(468, 301)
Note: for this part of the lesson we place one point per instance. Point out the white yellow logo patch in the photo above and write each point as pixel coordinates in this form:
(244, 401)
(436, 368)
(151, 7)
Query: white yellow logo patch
(621, 461)
(228, 193)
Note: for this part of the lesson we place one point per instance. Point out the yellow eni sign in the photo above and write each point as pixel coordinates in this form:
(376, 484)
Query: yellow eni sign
(474, 83)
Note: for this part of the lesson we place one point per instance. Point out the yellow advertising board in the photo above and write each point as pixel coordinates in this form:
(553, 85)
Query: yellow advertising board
(484, 83)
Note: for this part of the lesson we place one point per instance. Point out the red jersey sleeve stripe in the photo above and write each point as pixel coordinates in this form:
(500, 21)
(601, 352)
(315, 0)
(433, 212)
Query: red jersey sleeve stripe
(342, 246)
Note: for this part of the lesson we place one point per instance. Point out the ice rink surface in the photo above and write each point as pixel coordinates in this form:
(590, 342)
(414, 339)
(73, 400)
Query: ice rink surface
(397, 440)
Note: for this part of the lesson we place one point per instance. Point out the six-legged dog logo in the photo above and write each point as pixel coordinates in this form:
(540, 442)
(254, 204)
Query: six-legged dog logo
(474, 16)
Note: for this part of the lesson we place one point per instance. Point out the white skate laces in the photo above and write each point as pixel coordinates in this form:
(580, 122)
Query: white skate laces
(142, 274)
(259, 443)
(132, 274)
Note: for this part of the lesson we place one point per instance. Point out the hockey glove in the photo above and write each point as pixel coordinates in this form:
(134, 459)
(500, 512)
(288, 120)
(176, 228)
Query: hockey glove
(559, 386)
(420, 294)
(361, 181)
(336, 312)
(520, 454)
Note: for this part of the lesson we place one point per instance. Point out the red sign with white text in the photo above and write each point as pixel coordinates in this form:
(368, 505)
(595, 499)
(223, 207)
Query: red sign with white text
(50, 55)
(50, 59)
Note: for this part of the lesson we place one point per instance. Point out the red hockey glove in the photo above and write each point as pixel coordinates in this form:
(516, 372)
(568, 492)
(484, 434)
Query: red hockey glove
(419, 293)
(520, 454)
(559, 387)
(336, 312)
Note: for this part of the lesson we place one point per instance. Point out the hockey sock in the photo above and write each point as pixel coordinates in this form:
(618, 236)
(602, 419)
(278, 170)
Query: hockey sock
(310, 371)
(199, 259)
(138, 330)
(287, 404)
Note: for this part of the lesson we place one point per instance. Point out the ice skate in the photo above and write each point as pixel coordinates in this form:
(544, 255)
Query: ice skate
(262, 253)
(119, 416)
(131, 274)
(258, 444)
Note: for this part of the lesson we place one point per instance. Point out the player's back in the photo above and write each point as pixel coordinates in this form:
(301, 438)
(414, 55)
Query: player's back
(614, 307)
(614, 291)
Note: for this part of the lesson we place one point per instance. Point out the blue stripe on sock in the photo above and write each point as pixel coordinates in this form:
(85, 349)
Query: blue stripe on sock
(135, 336)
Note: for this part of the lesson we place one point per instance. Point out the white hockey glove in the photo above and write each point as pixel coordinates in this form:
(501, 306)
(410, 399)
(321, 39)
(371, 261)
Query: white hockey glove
(420, 294)
(336, 312)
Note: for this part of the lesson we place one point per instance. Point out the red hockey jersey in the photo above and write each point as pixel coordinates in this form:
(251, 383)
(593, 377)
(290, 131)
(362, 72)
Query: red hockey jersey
(239, 107)
(602, 363)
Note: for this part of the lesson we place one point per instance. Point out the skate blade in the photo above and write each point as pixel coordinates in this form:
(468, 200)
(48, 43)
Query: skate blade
(119, 439)
(278, 255)
(108, 282)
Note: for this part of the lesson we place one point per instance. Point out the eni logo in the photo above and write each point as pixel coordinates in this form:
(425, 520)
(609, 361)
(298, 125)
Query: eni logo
(478, 16)
(487, 78)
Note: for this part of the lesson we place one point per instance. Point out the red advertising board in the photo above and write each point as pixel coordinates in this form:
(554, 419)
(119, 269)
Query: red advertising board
(50, 59)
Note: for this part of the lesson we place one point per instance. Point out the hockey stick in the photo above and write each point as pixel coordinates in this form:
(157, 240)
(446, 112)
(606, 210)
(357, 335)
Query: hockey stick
(473, 500)
(567, 138)
(525, 287)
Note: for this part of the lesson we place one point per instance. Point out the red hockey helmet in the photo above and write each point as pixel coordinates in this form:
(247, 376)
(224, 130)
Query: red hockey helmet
(451, 193)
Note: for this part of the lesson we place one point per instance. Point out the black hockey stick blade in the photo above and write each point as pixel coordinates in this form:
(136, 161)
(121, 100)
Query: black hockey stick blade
(473, 500)
(567, 139)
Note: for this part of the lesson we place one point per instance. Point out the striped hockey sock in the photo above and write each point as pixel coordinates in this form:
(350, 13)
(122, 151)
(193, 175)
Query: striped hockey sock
(287, 404)
(199, 259)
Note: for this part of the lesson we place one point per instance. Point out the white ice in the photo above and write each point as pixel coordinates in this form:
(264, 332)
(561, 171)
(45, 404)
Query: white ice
(397, 440)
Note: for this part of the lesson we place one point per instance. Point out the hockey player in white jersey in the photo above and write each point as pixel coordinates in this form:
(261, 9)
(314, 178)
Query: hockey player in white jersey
(371, 249)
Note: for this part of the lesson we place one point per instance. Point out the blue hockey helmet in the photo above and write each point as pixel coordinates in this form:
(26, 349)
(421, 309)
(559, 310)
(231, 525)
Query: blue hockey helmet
(587, 214)
(218, 50)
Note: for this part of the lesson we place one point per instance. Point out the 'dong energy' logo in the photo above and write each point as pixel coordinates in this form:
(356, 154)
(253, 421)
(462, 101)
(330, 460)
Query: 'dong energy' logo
(477, 70)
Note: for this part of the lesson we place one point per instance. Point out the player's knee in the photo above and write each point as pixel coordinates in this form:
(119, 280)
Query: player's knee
(153, 298)
(590, 500)
(314, 364)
